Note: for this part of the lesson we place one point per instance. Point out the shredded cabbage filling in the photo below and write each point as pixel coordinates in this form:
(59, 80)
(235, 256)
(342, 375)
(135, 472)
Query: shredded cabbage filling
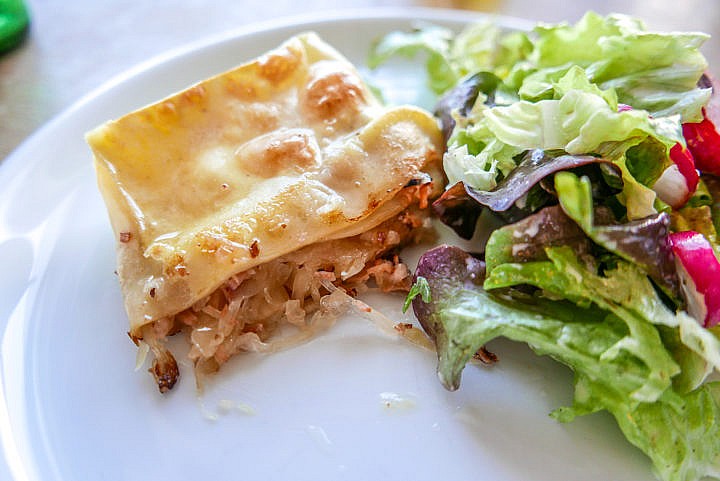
(304, 291)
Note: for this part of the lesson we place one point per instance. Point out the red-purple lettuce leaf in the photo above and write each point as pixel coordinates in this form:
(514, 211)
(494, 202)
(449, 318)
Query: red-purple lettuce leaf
(461, 99)
(642, 241)
(514, 197)
(526, 240)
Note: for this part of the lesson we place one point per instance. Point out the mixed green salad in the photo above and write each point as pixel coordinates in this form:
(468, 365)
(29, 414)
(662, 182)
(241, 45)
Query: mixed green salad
(593, 150)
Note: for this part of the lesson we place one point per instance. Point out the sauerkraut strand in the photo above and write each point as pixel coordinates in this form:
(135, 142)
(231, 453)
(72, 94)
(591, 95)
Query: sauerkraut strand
(291, 299)
(382, 322)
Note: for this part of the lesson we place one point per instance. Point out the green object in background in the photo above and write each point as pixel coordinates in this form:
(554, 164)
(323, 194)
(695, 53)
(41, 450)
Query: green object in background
(14, 20)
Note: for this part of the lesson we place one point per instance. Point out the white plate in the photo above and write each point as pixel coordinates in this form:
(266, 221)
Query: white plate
(353, 404)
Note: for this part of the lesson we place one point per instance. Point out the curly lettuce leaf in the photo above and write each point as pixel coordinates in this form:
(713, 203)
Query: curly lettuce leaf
(534, 166)
(680, 433)
(624, 291)
(526, 239)
(639, 200)
(682, 440)
(450, 57)
(433, 41)
(522, 192)
(463, 316)
(485, 46)
(619, 358)
(653, 71)
(583, 120)
(571, 79)
(642, 241)
(460, 100)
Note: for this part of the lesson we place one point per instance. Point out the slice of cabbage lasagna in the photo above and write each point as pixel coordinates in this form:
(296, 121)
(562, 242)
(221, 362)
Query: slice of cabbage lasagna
(259, 199)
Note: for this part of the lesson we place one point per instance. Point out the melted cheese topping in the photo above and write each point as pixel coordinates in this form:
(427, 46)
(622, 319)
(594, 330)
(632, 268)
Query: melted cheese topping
(282, 152)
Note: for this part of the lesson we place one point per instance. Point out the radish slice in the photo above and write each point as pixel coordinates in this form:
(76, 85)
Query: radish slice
(679, 181)
(703, 138)
(703, 141)
(699, 272)
(685, 162)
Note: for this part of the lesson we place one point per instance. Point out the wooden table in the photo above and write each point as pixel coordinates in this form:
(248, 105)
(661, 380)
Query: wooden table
(75, 46)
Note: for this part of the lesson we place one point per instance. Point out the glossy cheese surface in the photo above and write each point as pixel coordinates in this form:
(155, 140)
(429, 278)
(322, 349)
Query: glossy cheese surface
(282, 152)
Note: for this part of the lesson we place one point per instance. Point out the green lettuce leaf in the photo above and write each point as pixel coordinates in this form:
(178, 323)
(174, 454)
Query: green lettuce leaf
(450, 57)
(654, 71)
(642, 242)
(582, 120)
(679, 433)
(486, 47)
(526, 239)
(431, 40)
(606, 335)
(624, 291)
(683, 438)
(639, 200)
(628, 356)
(657, 72)
(579, 122)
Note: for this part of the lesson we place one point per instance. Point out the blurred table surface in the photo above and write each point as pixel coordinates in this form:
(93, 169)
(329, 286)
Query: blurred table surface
(75, 46)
